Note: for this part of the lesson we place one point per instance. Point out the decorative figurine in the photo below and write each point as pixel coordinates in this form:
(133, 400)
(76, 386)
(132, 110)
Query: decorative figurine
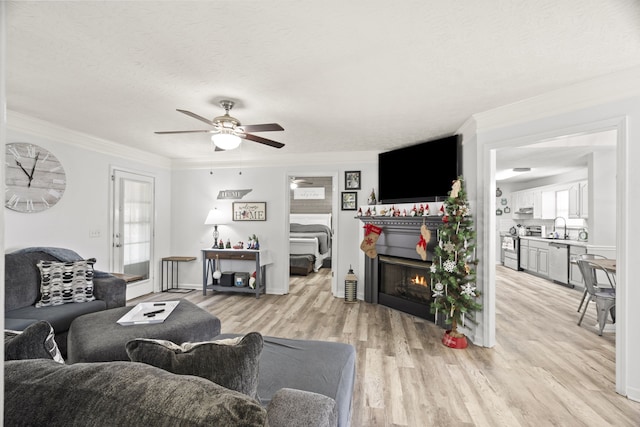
(372, 198)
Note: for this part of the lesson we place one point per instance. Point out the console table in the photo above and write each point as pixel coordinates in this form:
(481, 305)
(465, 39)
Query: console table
(260, 257)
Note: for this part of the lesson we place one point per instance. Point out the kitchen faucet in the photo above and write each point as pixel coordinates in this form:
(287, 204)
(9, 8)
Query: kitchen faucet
(564, 235)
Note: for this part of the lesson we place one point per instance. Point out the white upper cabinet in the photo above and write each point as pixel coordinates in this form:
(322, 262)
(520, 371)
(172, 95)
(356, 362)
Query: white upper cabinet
(584, 200)
(579, 200)
(543, 200)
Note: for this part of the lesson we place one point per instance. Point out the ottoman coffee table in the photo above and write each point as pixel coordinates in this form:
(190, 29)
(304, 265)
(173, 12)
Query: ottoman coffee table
(97, 337)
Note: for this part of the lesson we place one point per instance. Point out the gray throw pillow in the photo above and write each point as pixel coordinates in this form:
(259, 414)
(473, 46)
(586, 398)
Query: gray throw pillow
(232, 363)
(35, 342)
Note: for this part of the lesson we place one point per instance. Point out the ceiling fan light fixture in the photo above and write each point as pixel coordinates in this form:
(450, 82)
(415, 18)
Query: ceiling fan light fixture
(226, 139)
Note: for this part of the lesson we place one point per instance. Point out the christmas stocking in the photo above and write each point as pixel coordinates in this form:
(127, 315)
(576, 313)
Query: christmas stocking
(371, 235)
(421, 247)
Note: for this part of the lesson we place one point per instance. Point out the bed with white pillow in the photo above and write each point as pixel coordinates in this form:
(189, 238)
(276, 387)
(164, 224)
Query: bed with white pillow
(310, 234)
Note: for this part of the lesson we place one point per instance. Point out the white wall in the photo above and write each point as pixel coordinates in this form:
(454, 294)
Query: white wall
(85, 204)
(602, 198)
(195, 192)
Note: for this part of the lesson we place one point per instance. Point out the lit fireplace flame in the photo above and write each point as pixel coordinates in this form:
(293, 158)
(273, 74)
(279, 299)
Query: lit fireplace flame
(419, 280)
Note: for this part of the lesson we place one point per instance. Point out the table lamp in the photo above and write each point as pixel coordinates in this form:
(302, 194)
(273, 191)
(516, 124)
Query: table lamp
(213, 217)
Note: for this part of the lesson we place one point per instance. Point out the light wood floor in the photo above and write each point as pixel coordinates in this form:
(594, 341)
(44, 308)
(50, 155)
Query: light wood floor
(544, 371)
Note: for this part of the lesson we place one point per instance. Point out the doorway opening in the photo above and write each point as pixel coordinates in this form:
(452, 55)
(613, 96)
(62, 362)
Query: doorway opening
(312, 225)
(597, 140)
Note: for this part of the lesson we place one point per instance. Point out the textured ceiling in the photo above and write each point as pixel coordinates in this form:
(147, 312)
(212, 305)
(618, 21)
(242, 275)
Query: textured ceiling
(338, 76)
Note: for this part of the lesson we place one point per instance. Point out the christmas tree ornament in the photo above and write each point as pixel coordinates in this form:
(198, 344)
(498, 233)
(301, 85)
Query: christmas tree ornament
(449, 266)
(449, 246)
(455, 189)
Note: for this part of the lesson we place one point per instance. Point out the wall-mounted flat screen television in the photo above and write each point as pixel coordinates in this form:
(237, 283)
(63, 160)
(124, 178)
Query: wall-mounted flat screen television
(422, 172)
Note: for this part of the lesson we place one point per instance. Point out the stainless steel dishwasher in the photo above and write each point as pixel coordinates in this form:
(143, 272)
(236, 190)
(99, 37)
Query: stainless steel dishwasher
(559, 263)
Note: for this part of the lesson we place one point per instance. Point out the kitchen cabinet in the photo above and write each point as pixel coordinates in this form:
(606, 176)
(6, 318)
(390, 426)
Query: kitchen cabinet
(523, 199)
(526, 199)
(538, 258)
(575, 277)
(579, 200)
(515, 201)
(537, 204)
(524, 251)
(584, 200)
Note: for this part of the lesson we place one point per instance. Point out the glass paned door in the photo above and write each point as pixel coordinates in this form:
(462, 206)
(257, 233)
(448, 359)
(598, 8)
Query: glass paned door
(132, 224)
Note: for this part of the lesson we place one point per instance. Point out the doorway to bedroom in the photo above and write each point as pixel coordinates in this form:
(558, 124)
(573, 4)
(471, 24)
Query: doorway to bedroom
(311, 225)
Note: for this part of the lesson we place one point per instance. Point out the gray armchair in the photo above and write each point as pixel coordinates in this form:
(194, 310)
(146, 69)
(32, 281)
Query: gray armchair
(22, 291)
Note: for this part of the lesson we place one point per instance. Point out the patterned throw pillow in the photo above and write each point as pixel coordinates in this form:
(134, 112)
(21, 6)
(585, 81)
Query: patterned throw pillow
(35, 342)
(66, 282)
(231, 363)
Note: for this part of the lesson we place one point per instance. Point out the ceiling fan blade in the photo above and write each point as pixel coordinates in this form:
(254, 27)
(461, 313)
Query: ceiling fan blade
(262, 140)
(183, 131)
(261, 128)
(195, 116)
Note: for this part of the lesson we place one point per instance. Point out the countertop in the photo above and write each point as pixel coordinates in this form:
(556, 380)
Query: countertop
(569, 242)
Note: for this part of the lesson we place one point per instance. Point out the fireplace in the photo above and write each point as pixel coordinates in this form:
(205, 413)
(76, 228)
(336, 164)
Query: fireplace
(404, 285)
(398, 277)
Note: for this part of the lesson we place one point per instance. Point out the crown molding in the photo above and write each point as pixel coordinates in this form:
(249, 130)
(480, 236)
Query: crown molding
(47, 130)
(601, 90)
(279, 160)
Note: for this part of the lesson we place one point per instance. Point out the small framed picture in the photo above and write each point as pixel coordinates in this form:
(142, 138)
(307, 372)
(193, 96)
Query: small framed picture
(352, 180)
(249, 211)
(349, 200)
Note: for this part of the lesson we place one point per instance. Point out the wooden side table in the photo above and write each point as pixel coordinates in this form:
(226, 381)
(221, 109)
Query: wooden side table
(172, 263)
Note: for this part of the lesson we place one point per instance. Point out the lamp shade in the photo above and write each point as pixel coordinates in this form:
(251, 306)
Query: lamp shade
(214, 217)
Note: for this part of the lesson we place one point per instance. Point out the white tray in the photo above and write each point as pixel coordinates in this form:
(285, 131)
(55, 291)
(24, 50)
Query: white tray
(136, 316)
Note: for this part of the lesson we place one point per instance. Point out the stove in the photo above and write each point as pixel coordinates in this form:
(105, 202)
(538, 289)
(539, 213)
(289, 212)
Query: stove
(511, 252)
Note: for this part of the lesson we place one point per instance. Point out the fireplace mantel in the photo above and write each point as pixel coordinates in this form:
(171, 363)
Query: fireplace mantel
(400, 234)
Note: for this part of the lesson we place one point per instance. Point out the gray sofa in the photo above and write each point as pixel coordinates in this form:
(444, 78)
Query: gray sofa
(323, 367)
(41, 392)
(22, 291)
(300, 383)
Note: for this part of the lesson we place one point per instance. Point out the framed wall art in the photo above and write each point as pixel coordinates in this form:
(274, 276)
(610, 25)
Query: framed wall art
(352, 180)
(249, 211)
(349, 200)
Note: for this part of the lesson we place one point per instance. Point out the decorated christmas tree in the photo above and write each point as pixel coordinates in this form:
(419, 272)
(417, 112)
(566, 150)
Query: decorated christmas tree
(453, 281)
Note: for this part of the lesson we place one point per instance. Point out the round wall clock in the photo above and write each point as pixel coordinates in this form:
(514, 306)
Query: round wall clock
(34, 178)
